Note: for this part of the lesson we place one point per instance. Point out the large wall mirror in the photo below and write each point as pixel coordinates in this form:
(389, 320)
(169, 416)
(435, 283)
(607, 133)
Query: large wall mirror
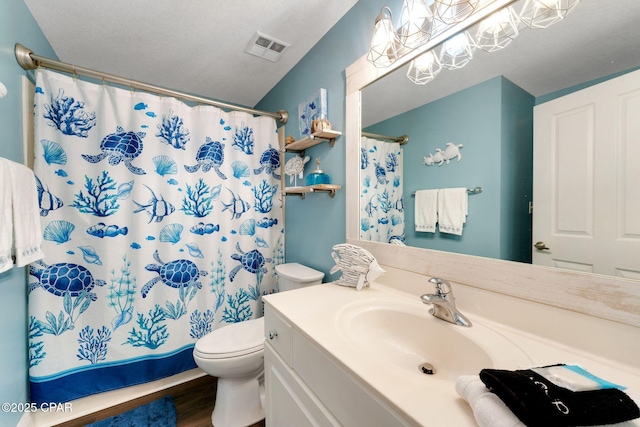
(470, 106)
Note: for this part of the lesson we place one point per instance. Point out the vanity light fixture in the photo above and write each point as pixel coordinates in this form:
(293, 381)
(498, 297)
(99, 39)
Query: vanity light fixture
(423, 21)
(498, 30)
(543, 13)
(457, 51)
(416, 23)
(384, 43)
(424, 68)
(453, 11)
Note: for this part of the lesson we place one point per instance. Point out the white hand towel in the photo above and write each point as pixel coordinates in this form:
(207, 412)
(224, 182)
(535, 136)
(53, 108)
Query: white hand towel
(426, 211)
(27, 233)
(489, 410)
(6, 216)
(452, 210)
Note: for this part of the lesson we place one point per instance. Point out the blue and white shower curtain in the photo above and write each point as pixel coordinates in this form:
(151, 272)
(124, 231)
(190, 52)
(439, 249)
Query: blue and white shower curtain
(161, 222)
(381, 200)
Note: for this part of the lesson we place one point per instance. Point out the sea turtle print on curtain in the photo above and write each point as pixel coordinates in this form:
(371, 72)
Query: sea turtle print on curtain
(161, 223)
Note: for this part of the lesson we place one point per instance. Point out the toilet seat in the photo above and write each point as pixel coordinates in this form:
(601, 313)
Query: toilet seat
(236, 339)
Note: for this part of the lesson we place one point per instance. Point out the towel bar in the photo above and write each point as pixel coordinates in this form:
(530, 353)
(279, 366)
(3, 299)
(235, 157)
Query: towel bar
(475, 190)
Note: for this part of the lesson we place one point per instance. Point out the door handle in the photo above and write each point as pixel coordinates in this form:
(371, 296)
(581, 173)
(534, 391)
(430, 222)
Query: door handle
(540, 246)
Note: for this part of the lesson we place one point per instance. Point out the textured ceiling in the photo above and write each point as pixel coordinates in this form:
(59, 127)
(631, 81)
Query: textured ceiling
(194, 46)
(597, 38)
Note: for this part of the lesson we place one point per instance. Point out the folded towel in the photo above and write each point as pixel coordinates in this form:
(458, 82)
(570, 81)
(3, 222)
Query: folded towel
(20, 222)
(536, 401)
(6, 216)
(27, 233)
(489, 410)
(426, 212)
(452, 210)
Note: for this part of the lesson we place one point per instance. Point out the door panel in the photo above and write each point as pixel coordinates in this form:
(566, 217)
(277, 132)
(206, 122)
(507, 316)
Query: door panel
(587, 179)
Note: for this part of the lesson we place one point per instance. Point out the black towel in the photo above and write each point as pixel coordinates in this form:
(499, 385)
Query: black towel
(537, 402)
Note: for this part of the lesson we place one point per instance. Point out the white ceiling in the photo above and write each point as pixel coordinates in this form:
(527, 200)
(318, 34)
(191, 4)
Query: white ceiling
(199, 48)
(597, 38)
(194, 46)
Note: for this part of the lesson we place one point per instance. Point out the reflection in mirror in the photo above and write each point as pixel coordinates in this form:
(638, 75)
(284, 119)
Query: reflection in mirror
(487, 108)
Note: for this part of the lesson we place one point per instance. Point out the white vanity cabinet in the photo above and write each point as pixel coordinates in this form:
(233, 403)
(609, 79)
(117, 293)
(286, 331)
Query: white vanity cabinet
(306, 387)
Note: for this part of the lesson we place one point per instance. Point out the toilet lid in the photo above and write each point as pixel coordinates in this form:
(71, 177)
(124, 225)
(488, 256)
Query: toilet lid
(235, 339)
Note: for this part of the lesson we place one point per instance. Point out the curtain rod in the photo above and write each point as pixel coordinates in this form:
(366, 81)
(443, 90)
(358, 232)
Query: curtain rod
(29, 60)
(399, 139)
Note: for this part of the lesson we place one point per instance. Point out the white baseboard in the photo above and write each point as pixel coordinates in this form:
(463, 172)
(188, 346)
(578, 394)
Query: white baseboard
(27, 420)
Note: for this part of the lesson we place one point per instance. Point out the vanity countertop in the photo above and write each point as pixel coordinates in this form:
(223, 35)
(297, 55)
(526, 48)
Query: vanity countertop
(427, 401)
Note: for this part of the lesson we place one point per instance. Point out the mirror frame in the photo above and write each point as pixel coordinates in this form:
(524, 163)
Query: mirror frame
(606, 297)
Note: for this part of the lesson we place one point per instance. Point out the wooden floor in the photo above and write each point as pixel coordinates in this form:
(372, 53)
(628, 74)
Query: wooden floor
(194, 402)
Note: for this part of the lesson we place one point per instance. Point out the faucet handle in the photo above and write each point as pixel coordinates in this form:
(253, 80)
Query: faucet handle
(443, 287)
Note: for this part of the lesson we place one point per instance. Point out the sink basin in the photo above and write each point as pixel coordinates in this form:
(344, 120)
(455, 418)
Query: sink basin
(404, 335)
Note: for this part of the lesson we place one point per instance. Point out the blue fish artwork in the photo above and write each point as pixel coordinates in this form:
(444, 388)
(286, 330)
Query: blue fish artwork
(102, 230)
(266, 222)
(157, 209)
(47, 201)
(135, 245)
(151, 114)
(140, 106)
(201, 228)
(39, 90)
(236, 206)
(61, 173)
(172, 181)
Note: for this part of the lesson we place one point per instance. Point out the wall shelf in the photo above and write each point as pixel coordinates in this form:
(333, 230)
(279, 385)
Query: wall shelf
(314, 139)
(319, 188)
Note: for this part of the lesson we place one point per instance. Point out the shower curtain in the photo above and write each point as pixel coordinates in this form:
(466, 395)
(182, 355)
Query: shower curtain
(161, 223)
(381, 201)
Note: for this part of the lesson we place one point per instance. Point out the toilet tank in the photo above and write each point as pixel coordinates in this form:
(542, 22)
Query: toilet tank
(293, 276)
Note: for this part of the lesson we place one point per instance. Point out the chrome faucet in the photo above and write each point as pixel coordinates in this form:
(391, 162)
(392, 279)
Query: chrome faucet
(444, 305)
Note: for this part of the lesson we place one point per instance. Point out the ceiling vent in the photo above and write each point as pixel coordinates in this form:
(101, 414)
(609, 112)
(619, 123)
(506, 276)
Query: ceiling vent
(266, 47)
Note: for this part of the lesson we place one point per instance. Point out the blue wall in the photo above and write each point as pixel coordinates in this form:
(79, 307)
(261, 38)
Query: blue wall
(16, 26)
(315, 224)
(494, 122)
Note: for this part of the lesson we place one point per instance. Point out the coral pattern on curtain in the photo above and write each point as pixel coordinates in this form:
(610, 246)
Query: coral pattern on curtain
(381, 201)
(161, 223)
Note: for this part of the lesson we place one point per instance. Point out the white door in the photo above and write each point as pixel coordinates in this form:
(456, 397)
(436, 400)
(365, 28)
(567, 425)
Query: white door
(586, 190)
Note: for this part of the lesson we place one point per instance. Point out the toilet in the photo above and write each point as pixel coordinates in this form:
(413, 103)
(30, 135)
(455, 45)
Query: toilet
(235, 355)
